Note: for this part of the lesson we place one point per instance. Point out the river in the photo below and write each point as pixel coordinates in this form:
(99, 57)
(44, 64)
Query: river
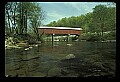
(51, 60)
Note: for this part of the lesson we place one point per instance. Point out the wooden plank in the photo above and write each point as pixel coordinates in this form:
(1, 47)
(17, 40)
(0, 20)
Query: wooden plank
(58, 31)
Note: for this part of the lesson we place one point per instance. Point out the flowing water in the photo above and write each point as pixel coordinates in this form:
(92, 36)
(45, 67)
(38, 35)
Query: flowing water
(61, 59)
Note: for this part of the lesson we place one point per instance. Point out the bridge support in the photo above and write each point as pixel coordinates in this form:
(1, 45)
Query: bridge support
(67, 38)
(52, 38)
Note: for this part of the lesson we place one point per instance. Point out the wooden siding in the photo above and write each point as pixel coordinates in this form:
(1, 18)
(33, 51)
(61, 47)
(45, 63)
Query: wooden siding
(59, 31)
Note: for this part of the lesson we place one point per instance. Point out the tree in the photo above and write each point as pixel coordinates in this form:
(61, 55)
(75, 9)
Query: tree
(16, 13)
(111, 4)
(111, 21)
(10, 16)
(19, 15)
(35, 18)
(99, 17)
(102, 19)
(22, 13)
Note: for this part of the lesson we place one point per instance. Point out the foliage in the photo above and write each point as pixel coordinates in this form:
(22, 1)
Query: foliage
(42, 38)
(35, 18)
(90, 37)
(20, 15)
(102, 19)
(110, 36)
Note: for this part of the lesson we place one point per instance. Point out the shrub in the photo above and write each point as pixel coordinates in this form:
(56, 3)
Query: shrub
(90, 37)
(110, 36)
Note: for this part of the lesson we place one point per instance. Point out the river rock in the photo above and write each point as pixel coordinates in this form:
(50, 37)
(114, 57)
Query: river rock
(69, 56)
(69, 44)
(22, 44)
(9, 41)
(56, 71)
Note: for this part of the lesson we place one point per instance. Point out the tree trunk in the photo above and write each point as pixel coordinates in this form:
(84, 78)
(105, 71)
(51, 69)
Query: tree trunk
(22, 21)
(26, 22)
(102, 31)
(14, 22)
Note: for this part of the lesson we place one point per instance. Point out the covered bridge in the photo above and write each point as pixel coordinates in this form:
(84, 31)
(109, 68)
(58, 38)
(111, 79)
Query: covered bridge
(59, 31)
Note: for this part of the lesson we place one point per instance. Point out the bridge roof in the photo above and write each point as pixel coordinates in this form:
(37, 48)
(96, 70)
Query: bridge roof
(68, 28)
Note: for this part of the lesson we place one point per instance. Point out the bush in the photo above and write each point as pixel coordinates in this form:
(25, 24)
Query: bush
(90, 37)
(25, 37)
(110, 36)
(43, 38)
(74, 38)
(95, 37)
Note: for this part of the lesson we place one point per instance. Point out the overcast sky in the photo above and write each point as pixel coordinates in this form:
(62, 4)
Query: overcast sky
(57, 10)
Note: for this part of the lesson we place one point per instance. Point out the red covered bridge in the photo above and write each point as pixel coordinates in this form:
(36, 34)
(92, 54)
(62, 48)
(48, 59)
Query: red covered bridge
(59, 30)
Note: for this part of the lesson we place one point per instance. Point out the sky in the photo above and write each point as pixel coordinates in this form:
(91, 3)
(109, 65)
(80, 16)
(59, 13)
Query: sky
(57, 10)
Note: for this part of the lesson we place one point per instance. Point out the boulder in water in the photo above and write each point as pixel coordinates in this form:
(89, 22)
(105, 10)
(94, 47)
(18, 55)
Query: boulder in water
(55, 71)
(69, 56)
(69, 44)
(21, 44)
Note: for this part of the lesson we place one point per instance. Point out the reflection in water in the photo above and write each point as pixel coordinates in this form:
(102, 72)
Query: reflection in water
(54, 60)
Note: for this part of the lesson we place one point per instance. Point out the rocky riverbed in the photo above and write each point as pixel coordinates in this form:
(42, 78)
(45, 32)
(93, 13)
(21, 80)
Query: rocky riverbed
(85, 59)
(11, 42)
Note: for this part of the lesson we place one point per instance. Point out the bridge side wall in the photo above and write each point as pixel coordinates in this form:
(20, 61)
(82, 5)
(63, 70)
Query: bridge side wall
(59, 31)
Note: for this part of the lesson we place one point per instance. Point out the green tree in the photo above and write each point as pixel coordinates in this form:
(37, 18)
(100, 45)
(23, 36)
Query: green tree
(22, 14)
(99, 17)
(111, 20)
(102, 19)
(35, 18)
(10, 16)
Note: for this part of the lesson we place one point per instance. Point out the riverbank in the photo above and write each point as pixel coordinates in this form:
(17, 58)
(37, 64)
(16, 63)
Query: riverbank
(11, 43)
(99, 41)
